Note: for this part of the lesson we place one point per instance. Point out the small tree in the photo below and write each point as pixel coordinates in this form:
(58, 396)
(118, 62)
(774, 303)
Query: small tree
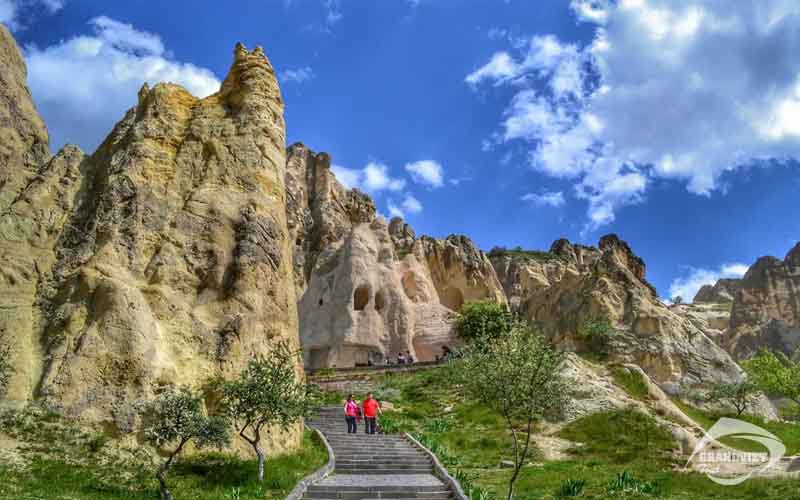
(268, 392)
(740, 395)
(518, 376)
(597, 332)
(177, 417)
(5, 365)
(483, 320)
(775, 373)
(677, 300)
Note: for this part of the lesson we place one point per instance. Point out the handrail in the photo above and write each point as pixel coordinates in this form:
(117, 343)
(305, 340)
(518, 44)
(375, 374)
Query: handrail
(301, 487)
(440, 470)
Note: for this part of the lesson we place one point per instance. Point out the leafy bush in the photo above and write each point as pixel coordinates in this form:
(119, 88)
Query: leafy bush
(483, 320)
(394, 423)
(597, 333)
(438, 425)
(741, 395)
(571, 488)
(625, 483)
(775, 373)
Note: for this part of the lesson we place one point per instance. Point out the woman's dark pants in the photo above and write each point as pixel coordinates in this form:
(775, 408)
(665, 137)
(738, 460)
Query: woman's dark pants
(351, 424)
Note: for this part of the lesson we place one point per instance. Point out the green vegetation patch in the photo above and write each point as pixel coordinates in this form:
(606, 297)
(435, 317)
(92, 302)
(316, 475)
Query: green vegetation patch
(620, 437)
(632, 381)
(205, 477)
(787, 432)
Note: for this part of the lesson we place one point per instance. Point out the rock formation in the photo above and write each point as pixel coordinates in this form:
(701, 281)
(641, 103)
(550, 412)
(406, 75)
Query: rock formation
(161, 259)
(721, 292)
(368, 290)
(570, 286)
(766, 308)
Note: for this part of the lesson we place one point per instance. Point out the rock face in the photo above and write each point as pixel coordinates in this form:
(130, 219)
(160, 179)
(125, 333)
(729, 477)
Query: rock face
(766, 308)
(162, 259)
(368, 290)
(721, 292)
(23, 136)
(572, 285)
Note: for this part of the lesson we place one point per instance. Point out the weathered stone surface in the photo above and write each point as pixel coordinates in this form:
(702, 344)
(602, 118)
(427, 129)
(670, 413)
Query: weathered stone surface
(23, 136)
(766, 307)
(570, 285)
(162, 259)
(367, 290)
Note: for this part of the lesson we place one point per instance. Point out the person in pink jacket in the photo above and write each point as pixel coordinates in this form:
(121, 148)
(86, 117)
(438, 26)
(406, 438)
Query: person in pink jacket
(351, 410)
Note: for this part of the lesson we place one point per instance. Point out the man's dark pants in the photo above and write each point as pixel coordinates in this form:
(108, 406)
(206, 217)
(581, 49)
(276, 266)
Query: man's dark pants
(370, 424)
(351, 424)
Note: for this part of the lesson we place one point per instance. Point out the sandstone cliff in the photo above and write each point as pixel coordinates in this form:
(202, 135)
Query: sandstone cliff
(161, 259)
(368, 290)
(721, 292)
(766, 308)
(571, 285)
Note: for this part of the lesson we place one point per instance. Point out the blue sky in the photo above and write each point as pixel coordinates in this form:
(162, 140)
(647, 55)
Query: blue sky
(674, 123)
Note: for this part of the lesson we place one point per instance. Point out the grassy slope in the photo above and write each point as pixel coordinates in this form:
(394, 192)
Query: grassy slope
(614, 442)
(789, 433)
(77, 469)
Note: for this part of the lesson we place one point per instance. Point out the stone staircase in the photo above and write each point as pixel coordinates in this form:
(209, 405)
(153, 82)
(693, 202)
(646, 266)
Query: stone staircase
(373, 466)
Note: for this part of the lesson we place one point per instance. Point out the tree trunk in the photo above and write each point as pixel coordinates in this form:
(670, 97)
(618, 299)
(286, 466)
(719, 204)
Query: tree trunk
(260, 463)
(162, 484)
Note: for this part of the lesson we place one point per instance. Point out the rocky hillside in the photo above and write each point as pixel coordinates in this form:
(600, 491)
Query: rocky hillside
(163, 258)
(570, 287)
(368, 289)
(766, 307)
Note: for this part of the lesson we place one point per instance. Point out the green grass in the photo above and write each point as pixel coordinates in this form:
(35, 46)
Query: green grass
(631, 381)
(620, 437)
(206, 477)
(613, 442)
(788, 432)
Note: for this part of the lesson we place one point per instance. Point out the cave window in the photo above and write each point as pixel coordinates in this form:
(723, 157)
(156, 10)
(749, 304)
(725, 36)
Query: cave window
(361, 298)
(320, 302)
(452, 298)
(380, 300)
(410, 286)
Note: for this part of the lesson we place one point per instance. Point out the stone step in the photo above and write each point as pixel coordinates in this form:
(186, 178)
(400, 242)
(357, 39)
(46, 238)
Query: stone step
(319, 488)
(376, 497)
(390, 465)
(406, 492)
(426, 470)
(412, 461)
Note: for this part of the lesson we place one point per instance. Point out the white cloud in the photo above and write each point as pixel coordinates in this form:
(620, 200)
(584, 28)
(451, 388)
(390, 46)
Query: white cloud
(373, 178)
(10, 10)
(334, 12)
(296, 75)
(428, 172)
(83, 85)
(672, 89)
(548, 198)
(409, 205)
(688, 286)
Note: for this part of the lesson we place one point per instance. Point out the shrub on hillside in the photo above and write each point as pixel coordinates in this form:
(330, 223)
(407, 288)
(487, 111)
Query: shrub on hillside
(483, 320)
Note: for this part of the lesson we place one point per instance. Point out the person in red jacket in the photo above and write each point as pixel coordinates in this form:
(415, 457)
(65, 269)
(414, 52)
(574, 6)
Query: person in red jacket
(371, 411)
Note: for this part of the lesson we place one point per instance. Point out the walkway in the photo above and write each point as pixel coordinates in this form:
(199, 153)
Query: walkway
(374, 466)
